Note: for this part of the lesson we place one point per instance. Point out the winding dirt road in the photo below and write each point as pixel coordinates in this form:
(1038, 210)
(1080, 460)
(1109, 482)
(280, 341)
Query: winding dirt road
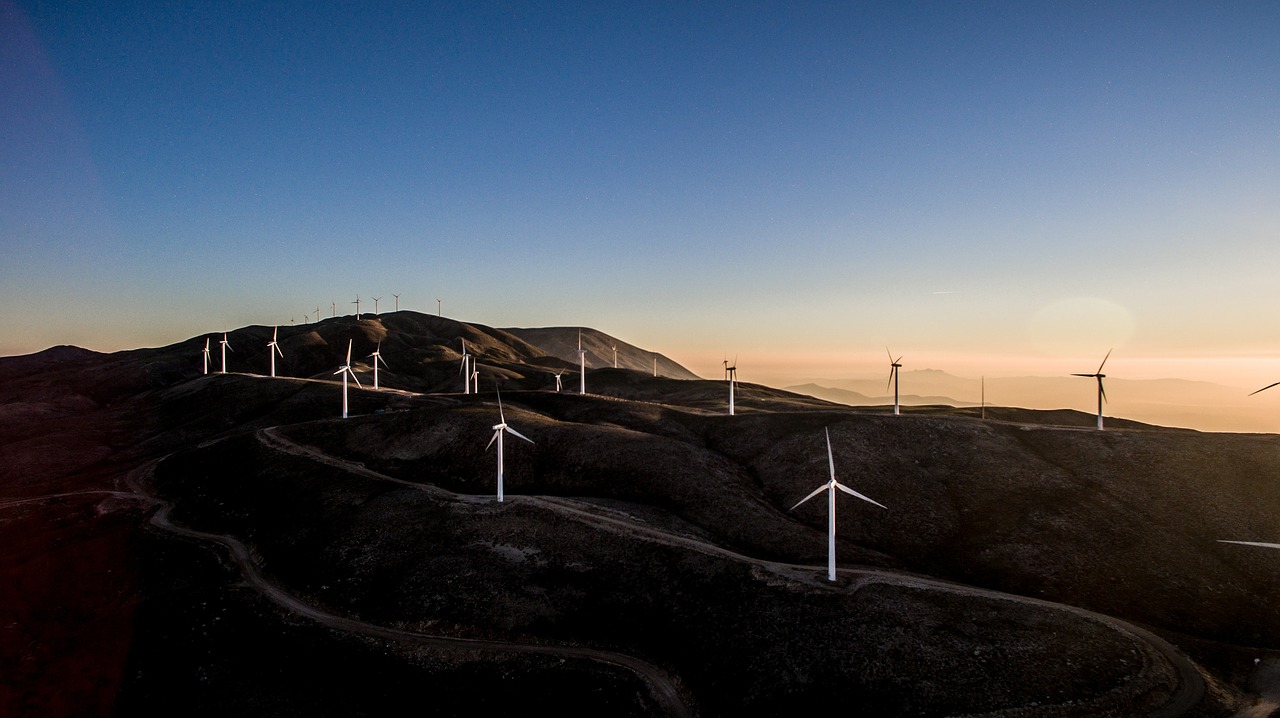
(1191, 685)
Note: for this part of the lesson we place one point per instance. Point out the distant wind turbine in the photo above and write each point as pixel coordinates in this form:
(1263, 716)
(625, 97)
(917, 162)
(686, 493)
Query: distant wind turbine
(335, 309)
(831, 487)
(559, 386)
(466, 368)
(357, 303)
(582, 365)
(894, 366)
(498, 430)
(273, 348)
(1102, 393)
(375, 305)
(346, 370)
(615, 356)
(377, 357)
(317, 314)
(225, 347)
(206, 355)
(397, 296)
(439, 307)
(655, 365)
(732, 371)
(984, 397)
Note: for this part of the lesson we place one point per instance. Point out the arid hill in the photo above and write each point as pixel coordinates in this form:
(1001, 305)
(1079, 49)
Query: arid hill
(224, 543)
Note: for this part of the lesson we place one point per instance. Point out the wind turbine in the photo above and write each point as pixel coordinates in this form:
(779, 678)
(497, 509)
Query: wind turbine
(831, 487)
(335, 309)
(498, 430)
(615, 356)
(439, 307)
(984, 397)
(466, 368)
(1102, 393)
(344, 370)
(559, 386)
(377, 357)
(655, 365)
(357, 303)
(317, 314)
(397, 296)
(731, 370)
(225, 347)
(273, 348)
(206, 355)
(375, 305)
(582, 365)
(894, 366)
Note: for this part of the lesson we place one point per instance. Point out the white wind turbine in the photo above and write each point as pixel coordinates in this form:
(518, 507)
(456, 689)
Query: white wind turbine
(397, 298)
(582, 366)
(1102, 393)
(831, 487)
(206, 355)
(225, 347)
(466, 368)
(894, 366)
(731, 370)
(439, 307)
(346, 370)
(375, 305)
(615, 356)
(559, 385)
(357, 303)
(377, 357)
(655, 365)
(498, 430)
(273, 348)
(317, 314)
(335, 309)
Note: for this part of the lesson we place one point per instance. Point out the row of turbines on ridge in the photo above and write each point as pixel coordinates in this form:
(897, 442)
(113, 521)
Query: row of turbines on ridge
(471, 379)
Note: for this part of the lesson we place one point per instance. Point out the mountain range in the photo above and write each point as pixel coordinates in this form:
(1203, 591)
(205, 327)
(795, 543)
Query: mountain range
(227, 544)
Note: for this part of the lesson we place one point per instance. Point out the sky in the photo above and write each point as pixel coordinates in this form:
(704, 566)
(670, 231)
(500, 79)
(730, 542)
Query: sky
(995, 188)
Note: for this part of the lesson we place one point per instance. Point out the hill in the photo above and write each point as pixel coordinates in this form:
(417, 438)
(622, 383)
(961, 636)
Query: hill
(225, 543)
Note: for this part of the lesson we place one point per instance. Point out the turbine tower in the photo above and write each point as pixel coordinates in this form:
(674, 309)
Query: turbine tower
(345, 370)
(831, 487)
(377, 357)
(225, 347)
(439, 307)
(894, 366)
(466, 368)
(317, 314)
(1102, 393)
(273, 348)
(498, 430)
(731, 371)
(655, 366)
(615, 356)
(357, 303)
(375, 305)
(397, 298)
(206, 355)
(582, 366)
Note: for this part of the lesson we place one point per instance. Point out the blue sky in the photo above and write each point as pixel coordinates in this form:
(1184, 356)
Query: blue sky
(1018, 185)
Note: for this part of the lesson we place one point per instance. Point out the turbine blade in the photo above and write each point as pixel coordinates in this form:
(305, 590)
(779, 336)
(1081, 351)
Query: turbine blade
(353, 376)
(1252, 543)
(277, 346)
(1102, 390)
(816, 491)
(1090, 375)
(851, 492)
(348, 352)
(831, 459)
(1268, 386)
(522, 436)
(340, 371)
(493, 439)
(502, 417)
(1104, 359)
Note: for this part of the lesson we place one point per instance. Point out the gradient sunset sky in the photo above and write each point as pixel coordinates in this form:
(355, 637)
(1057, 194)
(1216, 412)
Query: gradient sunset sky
(986, 188)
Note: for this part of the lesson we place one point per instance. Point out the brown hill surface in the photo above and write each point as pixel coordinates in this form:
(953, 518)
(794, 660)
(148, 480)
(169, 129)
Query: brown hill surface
(646, 561)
